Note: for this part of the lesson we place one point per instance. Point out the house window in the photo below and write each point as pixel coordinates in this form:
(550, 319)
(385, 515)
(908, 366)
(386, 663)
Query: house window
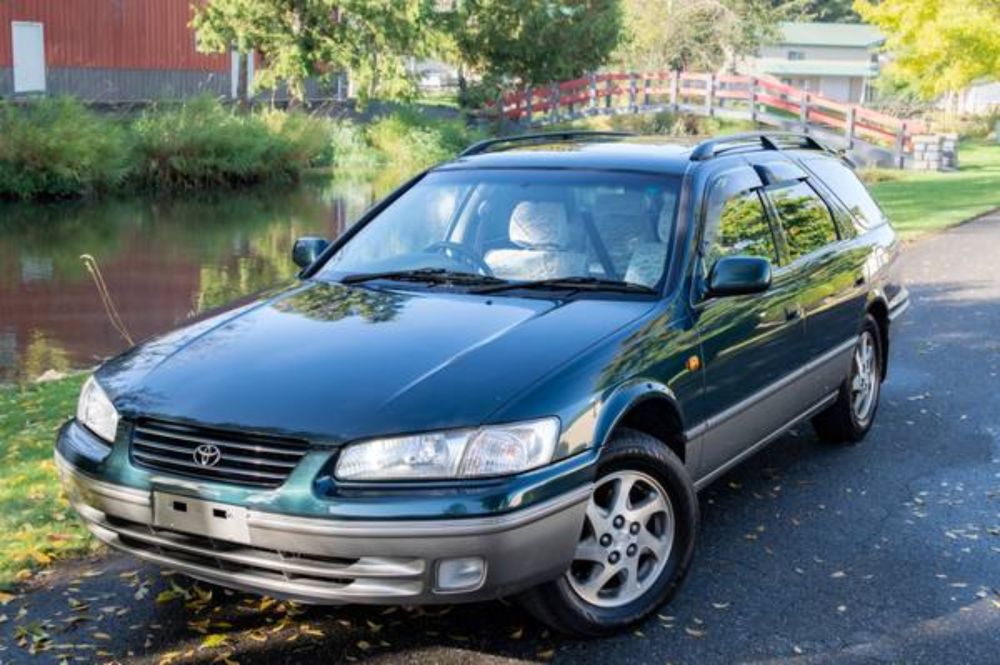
(796, 55)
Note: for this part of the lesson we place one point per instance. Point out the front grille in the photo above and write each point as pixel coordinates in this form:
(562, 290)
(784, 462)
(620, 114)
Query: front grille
(242, 459)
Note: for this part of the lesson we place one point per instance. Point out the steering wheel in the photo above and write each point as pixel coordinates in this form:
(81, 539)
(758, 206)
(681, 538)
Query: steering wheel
(458, 252)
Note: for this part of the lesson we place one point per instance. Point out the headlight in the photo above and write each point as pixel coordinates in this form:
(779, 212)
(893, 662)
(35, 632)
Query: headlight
(495, 450)
(96, 411)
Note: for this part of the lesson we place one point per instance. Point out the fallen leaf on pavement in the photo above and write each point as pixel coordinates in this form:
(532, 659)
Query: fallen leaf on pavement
(214, 641)
(169, 658)
(166, 596)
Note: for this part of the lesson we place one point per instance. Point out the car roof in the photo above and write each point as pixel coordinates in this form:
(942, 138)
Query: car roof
(654, 154)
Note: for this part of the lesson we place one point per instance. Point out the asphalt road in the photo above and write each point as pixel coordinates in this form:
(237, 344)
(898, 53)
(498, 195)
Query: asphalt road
(884, 552)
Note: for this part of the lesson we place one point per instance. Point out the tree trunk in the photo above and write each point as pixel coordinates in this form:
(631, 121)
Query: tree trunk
(242, 70)
(463, 87)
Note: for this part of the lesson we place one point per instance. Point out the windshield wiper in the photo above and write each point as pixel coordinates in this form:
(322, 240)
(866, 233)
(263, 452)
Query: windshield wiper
(431, 275)
(574, 283)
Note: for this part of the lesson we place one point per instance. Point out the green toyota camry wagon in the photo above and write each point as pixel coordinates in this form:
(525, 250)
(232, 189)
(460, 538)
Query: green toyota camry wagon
(508, 379)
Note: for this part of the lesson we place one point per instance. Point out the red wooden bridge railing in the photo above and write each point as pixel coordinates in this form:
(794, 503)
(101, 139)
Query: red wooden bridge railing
(759, 99)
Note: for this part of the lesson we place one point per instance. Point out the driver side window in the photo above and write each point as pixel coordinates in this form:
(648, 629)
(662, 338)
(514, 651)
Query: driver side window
(420, 217)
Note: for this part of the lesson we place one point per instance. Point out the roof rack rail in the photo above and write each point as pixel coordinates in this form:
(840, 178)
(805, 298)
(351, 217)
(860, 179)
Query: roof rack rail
(759, 140)
(541, 137)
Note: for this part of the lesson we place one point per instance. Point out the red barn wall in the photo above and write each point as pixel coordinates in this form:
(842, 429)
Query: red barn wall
(111, 34)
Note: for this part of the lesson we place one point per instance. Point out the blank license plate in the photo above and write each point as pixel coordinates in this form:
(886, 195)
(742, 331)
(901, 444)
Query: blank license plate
(201, 518)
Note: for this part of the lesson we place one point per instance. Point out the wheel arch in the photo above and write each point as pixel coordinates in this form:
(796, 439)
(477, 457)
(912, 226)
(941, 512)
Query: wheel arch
(879, 310)
(645, 406)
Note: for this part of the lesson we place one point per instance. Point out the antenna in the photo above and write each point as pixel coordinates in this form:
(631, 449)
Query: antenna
(90, 263)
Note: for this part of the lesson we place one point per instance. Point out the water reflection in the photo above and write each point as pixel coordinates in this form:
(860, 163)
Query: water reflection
(163, 261)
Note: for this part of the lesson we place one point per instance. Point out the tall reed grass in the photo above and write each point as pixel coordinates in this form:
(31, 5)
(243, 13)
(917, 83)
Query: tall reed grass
(59, 148)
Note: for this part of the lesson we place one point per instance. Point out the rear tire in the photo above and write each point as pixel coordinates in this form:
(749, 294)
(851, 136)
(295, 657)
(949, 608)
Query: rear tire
(849, 418)
(634, 551)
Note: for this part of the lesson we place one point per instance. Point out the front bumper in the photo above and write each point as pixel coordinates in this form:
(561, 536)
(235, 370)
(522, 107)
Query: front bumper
(899, 304)
(315, 560)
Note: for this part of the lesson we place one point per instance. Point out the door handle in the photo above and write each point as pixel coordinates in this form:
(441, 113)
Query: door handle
(793, 313)
(859, 280)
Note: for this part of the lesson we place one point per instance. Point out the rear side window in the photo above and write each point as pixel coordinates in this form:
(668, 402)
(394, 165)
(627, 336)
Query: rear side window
(852, 193)
(804, 217)
(738, 225)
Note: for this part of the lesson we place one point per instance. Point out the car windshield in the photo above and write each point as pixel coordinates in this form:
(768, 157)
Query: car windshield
(519, 225)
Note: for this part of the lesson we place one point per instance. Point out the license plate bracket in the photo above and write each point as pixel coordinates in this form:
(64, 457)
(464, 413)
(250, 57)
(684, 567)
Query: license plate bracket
(220, 521)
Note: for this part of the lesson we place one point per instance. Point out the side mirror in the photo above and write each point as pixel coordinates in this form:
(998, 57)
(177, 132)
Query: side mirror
(308, 249)
(739, 275)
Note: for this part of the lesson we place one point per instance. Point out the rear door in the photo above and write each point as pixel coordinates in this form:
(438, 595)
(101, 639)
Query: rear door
(750, 343)
(857, 256)
(828, 274)
(829, 280)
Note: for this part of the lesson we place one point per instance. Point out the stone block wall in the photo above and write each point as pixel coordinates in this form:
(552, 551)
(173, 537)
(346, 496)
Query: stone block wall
(934, 152)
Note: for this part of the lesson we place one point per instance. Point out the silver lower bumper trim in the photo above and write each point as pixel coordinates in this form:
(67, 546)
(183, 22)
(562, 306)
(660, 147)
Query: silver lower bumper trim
(326, 561)
(899, 305)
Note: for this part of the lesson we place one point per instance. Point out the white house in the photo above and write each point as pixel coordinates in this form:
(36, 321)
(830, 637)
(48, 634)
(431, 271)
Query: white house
(836, 60)
(433, 75)
(979, 98)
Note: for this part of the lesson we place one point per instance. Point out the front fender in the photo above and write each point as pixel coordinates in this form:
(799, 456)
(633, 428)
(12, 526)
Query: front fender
(628, 396)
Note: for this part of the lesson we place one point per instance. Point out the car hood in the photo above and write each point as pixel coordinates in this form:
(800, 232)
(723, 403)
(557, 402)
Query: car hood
(334, 363)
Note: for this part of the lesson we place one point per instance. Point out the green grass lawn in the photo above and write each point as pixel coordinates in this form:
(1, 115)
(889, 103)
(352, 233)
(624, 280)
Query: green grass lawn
(921, 202)
(36, 522)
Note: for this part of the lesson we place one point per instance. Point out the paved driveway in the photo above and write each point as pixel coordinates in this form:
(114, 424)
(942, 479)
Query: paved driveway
(885, 552)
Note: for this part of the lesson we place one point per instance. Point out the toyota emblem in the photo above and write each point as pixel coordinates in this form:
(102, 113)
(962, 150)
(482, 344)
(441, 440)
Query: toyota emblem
(207, 455)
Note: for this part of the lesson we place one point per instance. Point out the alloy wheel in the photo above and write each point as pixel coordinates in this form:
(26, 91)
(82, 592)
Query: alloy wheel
(864, 378)
(626, 539)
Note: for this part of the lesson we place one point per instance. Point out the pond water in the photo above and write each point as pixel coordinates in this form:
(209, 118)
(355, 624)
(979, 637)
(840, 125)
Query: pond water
(163, 261)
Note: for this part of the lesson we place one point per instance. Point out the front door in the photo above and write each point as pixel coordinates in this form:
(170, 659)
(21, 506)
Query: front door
(750, 343)
(28, 41)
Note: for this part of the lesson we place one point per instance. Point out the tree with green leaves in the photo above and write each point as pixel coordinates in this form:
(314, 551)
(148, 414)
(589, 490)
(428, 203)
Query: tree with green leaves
(536, 41)
(821, 11)
(370, 40)
(696, 35)
(938, 46)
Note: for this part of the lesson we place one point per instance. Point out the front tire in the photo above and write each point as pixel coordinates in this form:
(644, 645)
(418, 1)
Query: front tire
(849, 418)
(636, 543)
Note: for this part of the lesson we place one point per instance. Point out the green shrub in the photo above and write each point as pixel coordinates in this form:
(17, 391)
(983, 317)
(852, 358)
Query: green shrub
(407, 137)
(980, 126)
(872, 175)
(663, 123)
(306, 137)
(396, 138)
(203, 144)
(56, 148)
(349, 149)
(654, 123)
(60, 149)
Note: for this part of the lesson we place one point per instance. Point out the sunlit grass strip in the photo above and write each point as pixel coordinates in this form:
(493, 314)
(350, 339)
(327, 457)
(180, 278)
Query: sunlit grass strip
(921, 202)
(36, 521)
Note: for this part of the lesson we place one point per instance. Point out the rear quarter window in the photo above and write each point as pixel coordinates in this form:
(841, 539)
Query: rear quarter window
(804, 217)
(849, 190)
